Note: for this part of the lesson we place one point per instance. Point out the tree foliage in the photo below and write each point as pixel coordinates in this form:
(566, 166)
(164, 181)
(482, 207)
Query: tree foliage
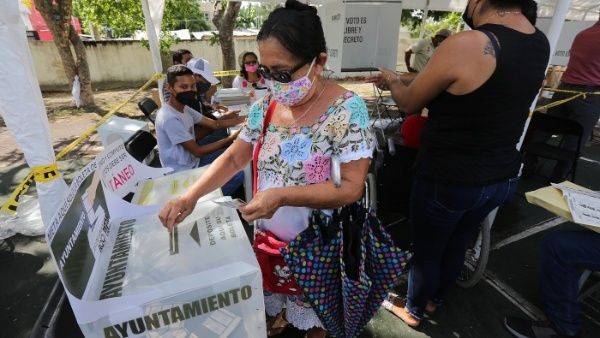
(436, 20)
(253, 16)
(121, 18)
(225, 15)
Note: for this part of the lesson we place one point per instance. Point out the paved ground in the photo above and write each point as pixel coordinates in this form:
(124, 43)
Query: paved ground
(510, 285)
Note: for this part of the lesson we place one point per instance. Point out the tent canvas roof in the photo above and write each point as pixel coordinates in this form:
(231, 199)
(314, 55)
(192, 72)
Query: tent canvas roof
(579, 9)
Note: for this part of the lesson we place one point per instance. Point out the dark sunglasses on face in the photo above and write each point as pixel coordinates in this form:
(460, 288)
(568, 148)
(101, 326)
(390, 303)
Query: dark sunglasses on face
(283, 76)
(251, 62)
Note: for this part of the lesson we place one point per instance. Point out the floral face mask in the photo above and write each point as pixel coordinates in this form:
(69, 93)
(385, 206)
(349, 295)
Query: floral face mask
(291, 93)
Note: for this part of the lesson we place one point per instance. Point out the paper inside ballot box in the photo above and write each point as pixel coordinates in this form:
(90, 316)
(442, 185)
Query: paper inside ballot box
(211, 288)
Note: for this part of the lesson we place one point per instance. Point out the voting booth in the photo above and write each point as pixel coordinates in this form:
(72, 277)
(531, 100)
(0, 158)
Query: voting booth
(369, 32)
(126, 276)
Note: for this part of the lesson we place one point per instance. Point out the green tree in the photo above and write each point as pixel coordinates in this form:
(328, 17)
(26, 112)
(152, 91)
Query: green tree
(224, 19)
(247, 17)
(122, 18)
(436, 20)
(451, 21)
(253, 16)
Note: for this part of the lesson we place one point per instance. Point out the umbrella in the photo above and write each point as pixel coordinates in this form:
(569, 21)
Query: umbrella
(314, 259)
(345, 265)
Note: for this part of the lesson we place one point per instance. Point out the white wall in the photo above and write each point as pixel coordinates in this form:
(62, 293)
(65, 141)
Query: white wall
(119, 63)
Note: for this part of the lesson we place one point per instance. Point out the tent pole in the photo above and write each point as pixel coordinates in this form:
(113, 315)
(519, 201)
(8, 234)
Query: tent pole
(425, 16)
(556, 25)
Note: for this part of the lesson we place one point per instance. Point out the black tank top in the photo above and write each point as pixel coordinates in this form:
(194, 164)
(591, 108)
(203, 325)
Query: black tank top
(471, 139)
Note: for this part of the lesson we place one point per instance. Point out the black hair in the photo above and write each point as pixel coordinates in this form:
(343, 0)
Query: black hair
(243, 71)
(178, 55)
(177, 70)
(508, 3)
(529, 9)
(298, 29)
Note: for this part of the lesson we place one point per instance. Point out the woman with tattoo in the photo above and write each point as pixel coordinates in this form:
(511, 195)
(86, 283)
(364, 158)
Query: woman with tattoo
(478, 86)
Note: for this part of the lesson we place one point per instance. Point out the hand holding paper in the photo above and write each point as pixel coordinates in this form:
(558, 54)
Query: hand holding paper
(175, 211)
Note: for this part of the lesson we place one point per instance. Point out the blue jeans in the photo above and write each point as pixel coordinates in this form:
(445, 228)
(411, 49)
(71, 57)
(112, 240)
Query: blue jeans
(445, 218)
(238, 179)
(565, 254)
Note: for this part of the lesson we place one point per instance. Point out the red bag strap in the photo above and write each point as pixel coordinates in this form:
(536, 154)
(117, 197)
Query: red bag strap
(266, 122)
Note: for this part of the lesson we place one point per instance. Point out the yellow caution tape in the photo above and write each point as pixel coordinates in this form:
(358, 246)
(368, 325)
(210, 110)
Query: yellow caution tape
(42, 175)
(45, 173)
(553, 104)
(10, 206)
(226, 73)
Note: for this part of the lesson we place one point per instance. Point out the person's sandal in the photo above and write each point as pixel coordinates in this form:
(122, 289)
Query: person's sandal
(430, 307)
(277, 324)
(402, 313)
(400, 302)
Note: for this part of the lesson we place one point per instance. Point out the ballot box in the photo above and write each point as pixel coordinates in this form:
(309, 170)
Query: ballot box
(125, 275)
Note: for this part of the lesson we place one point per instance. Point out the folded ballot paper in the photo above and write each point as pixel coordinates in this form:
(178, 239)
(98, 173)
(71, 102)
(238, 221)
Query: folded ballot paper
(570, 201)
(123, 277)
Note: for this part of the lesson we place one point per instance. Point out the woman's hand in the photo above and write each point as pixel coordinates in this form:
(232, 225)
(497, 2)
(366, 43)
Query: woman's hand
(175, 211)
(383, 79)
(263, 205)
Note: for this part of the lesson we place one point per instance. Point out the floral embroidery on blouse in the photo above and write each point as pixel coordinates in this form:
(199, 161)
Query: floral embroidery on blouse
(301, 155)
(255, 117)
(295, 149)
(318, 168)
(360, 115)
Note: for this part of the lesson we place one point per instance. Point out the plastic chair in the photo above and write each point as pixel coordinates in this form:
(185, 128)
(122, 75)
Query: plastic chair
(548, 148)
(148, 106)
(140, 145)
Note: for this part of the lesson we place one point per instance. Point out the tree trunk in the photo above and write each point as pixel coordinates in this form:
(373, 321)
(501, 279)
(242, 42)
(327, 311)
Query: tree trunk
(57, 15)
(225, 23)
(87, 98)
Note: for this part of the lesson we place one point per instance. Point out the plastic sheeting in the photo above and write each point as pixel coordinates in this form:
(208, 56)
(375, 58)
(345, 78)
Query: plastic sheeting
(27, 220)
(21, 104)
(126, 276)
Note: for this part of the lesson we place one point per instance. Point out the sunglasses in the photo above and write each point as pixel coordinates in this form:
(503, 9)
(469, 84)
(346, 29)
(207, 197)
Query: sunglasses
(252, 62)
(283, 76)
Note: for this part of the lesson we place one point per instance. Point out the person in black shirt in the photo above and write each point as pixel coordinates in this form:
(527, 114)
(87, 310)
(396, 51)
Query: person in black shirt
(478, 86)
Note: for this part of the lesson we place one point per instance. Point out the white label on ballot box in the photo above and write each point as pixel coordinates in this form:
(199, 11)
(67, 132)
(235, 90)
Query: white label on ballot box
(584, 205)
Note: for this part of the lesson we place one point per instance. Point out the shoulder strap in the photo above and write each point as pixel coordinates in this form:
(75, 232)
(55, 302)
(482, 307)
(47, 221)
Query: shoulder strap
(266, 122)
(493, 38)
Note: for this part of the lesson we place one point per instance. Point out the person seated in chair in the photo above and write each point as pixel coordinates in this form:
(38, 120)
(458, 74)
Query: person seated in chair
(205, 88)
(175, 123)
(565, 255)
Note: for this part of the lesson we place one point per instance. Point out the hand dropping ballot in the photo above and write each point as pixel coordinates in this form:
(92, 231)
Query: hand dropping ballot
(235, 203)
(123, 277)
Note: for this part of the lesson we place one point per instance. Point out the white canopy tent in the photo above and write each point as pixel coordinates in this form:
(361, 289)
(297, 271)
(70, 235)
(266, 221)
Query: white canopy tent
(22, 107)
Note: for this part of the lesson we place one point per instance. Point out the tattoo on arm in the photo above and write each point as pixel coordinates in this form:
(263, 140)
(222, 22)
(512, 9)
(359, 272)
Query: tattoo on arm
(489, 49)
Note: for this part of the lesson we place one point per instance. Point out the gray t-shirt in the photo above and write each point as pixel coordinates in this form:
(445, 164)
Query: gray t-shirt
(422, 50)
(172, 129)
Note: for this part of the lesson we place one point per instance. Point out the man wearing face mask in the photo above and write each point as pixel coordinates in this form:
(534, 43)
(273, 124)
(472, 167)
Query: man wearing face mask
(205, 81)
(175, 124)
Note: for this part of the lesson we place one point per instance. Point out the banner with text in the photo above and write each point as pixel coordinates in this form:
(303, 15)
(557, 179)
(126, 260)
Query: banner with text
(126, 276)
(563, 47)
